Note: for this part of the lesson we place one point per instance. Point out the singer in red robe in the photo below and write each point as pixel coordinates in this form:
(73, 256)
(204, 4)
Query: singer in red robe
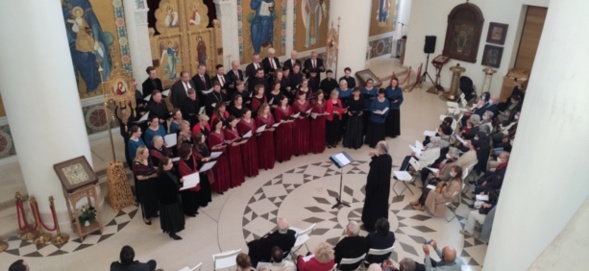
(284, 132)
(249, 150)
(301, 126)
(266, 138)
(221, 169)
(317, 145)
(258, 99)
(234, 152)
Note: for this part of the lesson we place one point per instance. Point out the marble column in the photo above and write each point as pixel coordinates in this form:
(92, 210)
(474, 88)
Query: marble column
(353, 35)
(227, 16)
(41, 98)
(138, 36)
(290, 17)
(546, 180)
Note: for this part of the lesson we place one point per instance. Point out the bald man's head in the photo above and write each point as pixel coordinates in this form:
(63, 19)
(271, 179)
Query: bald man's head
(449, 254)
(282, 225)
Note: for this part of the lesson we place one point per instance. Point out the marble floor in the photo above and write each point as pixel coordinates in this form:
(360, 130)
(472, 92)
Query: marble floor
(302, 190)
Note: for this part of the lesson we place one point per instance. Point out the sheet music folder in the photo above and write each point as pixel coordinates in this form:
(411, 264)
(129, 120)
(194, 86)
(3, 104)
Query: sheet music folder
(341, 159)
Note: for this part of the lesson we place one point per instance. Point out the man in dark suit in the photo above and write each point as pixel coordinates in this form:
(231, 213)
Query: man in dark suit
(202, 81)
(351, 246)
(151, 83)
(252, 68)
(191, 108)
(328, 84)
(234, 75)
(313, 63)
(491, 181)
(271, 64)
(220, 77)
(349, 78)
(179, 91)
(289, 63)
(261, 250)
(127, 262)
(382, 238)
(259, 78)
(214, 98)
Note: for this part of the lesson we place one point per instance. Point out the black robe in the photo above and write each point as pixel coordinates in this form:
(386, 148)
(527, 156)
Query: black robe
(378, 187)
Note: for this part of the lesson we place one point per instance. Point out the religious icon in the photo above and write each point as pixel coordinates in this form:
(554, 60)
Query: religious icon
(171, 17)
(262, 24)
(195, 18)
(313, 12)
(170, 57)
(464, 36)
(120, 88)
(88, 45)
(382, 14)
(201, 49)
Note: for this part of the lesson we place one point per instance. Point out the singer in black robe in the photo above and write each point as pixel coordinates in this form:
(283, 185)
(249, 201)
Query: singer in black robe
(378, 187)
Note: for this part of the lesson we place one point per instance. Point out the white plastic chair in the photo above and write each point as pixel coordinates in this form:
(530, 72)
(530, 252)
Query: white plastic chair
(378, 252)
(466, 171)
(302, 238)
(345, 262)
(196, 268)
(450, 203)
(225, 259)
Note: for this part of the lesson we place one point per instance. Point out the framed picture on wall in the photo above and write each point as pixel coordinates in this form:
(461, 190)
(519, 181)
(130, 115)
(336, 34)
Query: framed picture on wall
(463, 34)
(497, 33)
(492, 56)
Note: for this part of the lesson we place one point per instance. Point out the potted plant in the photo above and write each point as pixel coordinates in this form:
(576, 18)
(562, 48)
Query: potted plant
(87, 215)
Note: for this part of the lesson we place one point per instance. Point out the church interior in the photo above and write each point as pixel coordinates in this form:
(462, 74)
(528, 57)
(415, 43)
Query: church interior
(73, 101)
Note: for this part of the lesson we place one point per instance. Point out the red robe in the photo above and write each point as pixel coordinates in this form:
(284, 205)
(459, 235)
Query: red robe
(317, 144)
(235, 159)
(265, 143)
(197, 129)
(256, 104)
(221, 169)
(283, 140)
(185, 169)
(301, 129)
(225, 117)
(249, 150)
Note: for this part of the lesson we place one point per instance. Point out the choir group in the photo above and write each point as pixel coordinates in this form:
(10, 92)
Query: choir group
(244, 125)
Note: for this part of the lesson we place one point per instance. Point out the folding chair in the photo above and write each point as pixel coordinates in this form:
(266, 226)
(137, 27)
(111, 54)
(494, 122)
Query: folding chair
(404, 177)
(196, 268)
(378, 252)
(449, 204)
(466, 172)
(302, 238)
(351, 264)
(225, 259)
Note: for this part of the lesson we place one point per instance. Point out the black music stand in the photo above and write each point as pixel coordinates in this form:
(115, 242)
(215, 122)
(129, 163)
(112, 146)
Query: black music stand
(341, 160)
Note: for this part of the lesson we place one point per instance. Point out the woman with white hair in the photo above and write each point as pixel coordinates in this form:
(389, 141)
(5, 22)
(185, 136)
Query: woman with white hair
(378, 186)
(321, 260)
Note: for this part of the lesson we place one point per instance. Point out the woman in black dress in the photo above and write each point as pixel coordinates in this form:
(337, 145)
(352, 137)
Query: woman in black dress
(355, 121)
(202, 155)
(237, 108)
(188, 165)
(158, 150)
(172, 218)
(145, 184)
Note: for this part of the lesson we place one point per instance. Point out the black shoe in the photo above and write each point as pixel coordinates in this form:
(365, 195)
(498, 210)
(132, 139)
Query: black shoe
(175, 236)
(191, 215)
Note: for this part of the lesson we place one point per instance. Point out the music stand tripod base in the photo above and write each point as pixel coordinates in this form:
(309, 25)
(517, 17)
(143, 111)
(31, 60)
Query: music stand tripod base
(340, 160)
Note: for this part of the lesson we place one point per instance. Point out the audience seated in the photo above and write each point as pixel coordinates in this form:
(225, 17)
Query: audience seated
(382, 238)
(478, 215)
(406, 264)
(435, 199)
(243, 262)
(321, 260)
(351, 246)
(493, 180)
(448, 262)
(261, 250)
(278, 262)
(127, 262)
(19, 265)
(432, 149)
